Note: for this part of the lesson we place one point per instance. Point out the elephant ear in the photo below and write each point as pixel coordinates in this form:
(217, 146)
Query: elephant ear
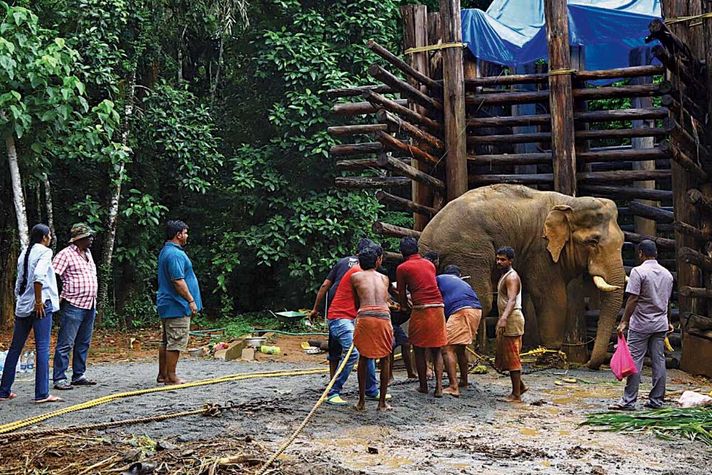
(557, 230)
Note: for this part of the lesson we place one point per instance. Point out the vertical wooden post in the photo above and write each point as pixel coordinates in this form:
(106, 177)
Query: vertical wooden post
(643, 226)
(561, 97)
(415, 33)
(454, 100)
(706, 219)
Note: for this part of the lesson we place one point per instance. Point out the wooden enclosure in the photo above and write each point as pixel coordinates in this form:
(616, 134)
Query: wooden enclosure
(455, 123)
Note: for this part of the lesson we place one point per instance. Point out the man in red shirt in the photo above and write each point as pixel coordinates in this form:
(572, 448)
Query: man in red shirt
(426, 330)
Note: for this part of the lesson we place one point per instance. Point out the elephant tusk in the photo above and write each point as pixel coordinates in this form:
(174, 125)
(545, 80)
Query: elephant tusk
(626, 279)
(602, 285)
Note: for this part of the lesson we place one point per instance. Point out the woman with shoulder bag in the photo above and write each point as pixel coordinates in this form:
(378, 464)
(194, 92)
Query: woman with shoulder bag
(36, 299)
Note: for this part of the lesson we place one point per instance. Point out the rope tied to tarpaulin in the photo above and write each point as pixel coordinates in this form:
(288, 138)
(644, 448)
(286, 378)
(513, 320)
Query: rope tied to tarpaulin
(423, 49)
(684, 19)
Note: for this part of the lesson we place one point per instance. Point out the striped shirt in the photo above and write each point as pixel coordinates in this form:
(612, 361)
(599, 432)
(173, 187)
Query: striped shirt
(78, 273)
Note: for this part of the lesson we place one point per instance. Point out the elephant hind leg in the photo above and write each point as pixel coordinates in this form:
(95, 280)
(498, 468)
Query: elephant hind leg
(551, 310)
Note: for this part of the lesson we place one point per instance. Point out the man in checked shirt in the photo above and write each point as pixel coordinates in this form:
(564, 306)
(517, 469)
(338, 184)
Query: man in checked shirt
(75, 267)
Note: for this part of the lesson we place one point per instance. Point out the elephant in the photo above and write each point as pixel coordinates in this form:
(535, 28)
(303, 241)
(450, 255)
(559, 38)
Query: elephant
(556, 238)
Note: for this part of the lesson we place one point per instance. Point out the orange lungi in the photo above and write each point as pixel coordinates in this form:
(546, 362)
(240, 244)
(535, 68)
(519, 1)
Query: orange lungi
(426, 328)
(462, 326)
(507, 356)
(373, 336)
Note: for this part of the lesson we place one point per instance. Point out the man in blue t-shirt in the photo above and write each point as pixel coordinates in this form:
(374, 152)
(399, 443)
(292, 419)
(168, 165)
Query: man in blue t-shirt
(178, 299)
(463, 312)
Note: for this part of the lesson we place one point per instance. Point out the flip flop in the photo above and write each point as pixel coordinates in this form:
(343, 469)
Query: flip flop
(49, 398)
(83, 382)
(11, 396)
(620, 407)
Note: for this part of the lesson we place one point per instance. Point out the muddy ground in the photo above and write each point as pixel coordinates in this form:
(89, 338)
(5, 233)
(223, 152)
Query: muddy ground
(473, 434)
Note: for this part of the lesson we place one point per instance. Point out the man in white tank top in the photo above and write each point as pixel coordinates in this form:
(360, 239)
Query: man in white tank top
(510, 326)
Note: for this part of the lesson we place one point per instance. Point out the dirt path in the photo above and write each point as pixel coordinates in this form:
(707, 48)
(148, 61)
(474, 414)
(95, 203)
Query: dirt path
(472, 434)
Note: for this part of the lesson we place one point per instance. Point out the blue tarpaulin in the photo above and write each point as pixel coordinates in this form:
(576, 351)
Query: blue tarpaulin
(512, 32)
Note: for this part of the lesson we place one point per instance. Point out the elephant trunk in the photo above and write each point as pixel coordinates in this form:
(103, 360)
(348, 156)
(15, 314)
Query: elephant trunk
(610, 306)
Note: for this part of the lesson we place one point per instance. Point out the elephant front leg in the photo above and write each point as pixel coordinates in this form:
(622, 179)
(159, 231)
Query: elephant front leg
(551, 305)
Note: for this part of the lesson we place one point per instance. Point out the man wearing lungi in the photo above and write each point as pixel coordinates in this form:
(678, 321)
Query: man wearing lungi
(426, 329)
(463, 312)
(510, 326)
(373, 336)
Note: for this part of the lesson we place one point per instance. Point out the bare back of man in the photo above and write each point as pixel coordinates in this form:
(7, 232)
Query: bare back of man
(373, 336)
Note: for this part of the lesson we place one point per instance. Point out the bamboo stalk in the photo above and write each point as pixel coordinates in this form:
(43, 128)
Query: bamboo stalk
(404, 204)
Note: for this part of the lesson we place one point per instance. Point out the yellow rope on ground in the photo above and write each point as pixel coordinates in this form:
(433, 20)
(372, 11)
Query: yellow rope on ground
(304, 423)
(422, 49)
(11, 426)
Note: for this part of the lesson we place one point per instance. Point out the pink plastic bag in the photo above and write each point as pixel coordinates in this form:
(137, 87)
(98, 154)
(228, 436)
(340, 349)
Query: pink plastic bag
(622, 363)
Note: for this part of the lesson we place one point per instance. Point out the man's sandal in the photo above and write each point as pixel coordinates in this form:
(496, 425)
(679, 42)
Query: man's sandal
(9, 397)
(620, 407)
(83, 382)
(377, 397)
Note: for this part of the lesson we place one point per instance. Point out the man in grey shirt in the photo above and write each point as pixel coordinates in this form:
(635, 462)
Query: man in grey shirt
(646, 317)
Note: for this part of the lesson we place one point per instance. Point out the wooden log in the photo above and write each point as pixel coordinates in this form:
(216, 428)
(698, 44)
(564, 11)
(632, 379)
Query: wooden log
(362, 182)
(405, 89)
(677, 68)
(696, 293)
(357, 164)
(692, 231)
(404, 67)
(659, 31)
(404, 204)
(473, 140)
(621, 133)
(397, 166)
(393, 230)
(629, 72)
(521, 179)
(644, 113)
(699, 321)
(510, 159)
(702, 202)
(682, 159)
(392, 256)
(414, 132)
(685, 113)
(595, 155)
(695, 258)
(681, 136)
(587, 94)
(348, 109)
(623, 192)
(651, 212)
(358, 90)
(662, 243)
(453, 100)
(392, 143)
(622, 175)
(509, 121)
(360, 129)
(354, 149)
(397, 108)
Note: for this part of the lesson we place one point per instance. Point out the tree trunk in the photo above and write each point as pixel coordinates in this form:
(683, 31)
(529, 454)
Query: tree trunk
(17, 196)
(50, 210)
(114, 199)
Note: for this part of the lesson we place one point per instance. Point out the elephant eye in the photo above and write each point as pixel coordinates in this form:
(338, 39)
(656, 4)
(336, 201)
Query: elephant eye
(592, 241)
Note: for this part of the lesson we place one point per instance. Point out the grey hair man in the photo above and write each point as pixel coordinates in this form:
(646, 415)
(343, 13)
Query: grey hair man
(646, 318)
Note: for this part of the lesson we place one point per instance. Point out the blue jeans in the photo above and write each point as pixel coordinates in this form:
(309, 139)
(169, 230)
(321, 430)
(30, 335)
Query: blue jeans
(75, 330)
(652, 344)
(342, 330)
(42, 328)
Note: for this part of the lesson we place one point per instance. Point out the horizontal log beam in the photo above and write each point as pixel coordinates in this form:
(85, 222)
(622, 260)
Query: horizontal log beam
(629, 155)
(586, 94)
(702, 202)
(695, 258)
(406, 90)
(355, 149)
(533, 137)
(363, 182)
(696, 293)
(700, 322)
(683, 160)
(404, 67)
(349, 109)
(510, 159)
(521, 179)
(404, 204)
(392, 256)
(350, 130)
(392, 106)
(652, 113)
(627, 192)
(622, 175)
(635, 71)
(357, 91)
(392, 143)
(357, 164)
(692, 231)
(419, 135)
(386, 229)
(397, 166)
(651, 212)
(662, 243)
